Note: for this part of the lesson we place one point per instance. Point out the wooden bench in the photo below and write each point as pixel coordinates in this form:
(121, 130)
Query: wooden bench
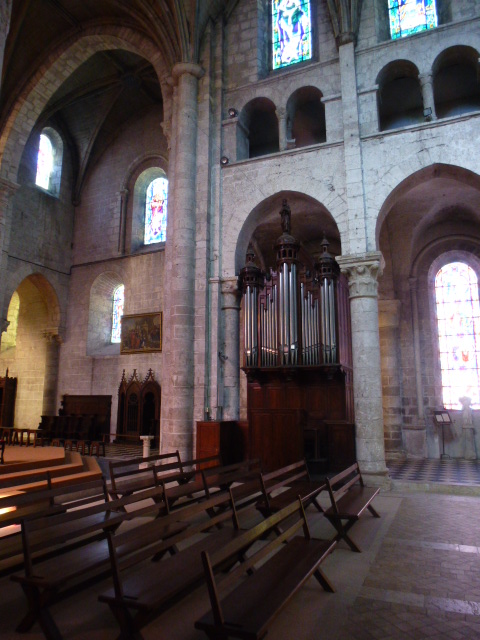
(16, 505)
(285, 485)
(263, 584)
(137, 474)
(349, 497)
(65, 552)
(142, 589)
(222, 478)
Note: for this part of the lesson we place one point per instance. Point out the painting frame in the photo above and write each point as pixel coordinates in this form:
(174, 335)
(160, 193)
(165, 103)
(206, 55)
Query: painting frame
(141, 333)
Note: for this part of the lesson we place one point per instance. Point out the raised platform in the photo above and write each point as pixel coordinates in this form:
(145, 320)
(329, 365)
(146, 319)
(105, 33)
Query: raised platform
(27, 467)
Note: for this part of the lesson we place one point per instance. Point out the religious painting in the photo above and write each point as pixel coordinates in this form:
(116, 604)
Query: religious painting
(141, 333)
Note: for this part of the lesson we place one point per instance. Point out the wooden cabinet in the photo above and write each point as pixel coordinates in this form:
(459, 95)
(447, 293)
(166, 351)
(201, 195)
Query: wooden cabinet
(139, 407)
(225, 438)
(8, 392)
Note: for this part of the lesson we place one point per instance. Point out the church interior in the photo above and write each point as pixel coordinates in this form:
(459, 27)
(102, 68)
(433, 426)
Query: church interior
(251, 229)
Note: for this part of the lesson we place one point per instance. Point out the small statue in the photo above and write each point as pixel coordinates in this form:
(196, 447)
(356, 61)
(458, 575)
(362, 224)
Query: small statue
(469, 452)
(285, 212)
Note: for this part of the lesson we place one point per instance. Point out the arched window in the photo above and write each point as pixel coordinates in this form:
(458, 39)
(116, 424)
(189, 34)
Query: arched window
(49, 161)
(44, 162)
(458, 321)
(156, 211)
(118, 304)
(411, 16)
(291, 32)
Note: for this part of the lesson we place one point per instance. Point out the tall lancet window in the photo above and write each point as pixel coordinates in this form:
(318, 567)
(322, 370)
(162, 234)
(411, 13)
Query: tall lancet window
(44, 162)
(156, 211)
(291, 32)
(411, 16)
(458, 317)
(118, 304)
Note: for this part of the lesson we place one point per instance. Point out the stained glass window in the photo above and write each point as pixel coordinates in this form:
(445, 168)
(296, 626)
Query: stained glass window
(458, 317)
(156, 211)
(118, 303)
(411, 16)
(291, 32)
(44, 162)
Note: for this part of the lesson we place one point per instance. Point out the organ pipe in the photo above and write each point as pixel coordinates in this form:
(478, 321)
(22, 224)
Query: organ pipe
(290, 316)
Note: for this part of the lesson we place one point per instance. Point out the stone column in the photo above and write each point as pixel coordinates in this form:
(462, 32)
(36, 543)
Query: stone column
(123, 197)
(282, 128)
(7, 191)
(426, 82)
(177, 400)
(362, 272)
(389, 321)
(230, 353)
(52, 356)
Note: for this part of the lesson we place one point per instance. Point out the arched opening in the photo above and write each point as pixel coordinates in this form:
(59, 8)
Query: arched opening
(295, 340)
(103, 316)
(36, 308)
(306, 118)
(49, 161)
(400, 101)
(431, 219)
(456, 82)
(259, 126)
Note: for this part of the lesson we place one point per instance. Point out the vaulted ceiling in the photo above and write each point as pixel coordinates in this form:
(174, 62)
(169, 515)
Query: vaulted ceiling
(101, 95)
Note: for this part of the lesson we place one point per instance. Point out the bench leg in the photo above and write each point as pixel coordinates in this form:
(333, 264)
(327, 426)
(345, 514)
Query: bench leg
(129, 630)
(324, 581)
(374, 513)
(343, 533)
(38, 611)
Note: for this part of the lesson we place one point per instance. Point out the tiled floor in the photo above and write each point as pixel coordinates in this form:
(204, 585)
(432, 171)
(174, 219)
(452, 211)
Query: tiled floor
(463, 472)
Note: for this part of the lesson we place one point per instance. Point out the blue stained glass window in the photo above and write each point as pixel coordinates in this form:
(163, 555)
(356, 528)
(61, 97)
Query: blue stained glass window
(44, 162)
(291, 32)
(118, 304)
(458, 318)
(411, 16)
(156, 211)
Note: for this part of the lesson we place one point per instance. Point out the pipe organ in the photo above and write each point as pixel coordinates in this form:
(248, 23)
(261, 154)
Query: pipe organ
(297, 347)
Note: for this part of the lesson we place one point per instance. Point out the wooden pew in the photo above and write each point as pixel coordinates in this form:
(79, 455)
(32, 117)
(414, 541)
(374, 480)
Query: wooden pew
(285, 485)
(49, 499)
(263, 584)
(65, 552)
(137, 474)
(349, 497)
(222, 478)
(142, 589)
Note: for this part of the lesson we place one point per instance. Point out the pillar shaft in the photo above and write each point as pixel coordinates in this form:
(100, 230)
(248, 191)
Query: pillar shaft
(362, 272)
(7, 191)
(177, 401)
(426, 82)
(230, 354)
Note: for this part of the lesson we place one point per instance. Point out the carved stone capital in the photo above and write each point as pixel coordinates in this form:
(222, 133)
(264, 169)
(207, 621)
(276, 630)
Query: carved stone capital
(190, 68)
(231, 295)
(362, 272)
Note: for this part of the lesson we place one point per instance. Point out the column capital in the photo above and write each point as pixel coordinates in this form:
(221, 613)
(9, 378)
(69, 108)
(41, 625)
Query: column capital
(52, 337)
(189, 68)
(425, 78)
(230, 293)
(362, 271)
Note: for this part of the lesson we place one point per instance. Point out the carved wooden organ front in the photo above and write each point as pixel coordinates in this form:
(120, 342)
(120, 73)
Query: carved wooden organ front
(297, 344)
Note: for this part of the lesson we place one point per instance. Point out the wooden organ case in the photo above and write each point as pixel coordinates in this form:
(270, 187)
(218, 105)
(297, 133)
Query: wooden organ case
(297, 358)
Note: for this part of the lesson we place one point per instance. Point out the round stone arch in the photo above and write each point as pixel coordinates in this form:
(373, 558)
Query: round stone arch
(432, 178)
(55, 69)
(100, 310)
(310, 221)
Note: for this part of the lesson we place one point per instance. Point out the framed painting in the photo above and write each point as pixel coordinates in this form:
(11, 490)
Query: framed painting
(141, 333)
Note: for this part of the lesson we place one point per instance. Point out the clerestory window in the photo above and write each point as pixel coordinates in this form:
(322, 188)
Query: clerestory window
(291, 32)
(407, 17)
(49, 161)
(118, 305)
(156, 211)
(458, 322)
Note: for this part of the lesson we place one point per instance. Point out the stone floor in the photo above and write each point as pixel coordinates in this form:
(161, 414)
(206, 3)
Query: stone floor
(417, 577)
